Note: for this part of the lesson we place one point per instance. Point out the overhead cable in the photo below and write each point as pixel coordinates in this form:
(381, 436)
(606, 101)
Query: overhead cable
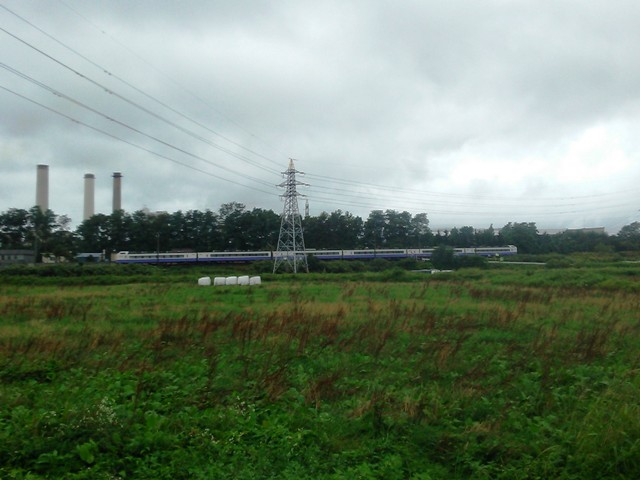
(140, 147)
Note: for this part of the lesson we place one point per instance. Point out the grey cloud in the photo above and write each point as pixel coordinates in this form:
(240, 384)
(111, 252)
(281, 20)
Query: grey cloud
(378, 92)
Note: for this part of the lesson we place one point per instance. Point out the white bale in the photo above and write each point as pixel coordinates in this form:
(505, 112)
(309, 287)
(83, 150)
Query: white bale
(231, 281)
(243, 280)
(255, 281)
(219, 281)
(204, 281)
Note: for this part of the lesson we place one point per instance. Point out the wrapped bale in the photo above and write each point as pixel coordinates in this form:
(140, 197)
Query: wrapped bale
(204, 281)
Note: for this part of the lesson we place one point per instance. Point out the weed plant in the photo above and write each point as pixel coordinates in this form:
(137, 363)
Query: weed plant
(482, 374)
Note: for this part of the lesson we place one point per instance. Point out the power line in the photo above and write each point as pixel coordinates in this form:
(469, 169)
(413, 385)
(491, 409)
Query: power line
(177, 83)
(362, 202)
(130, 85)
(137, 105)
(414, 197)
(140, 147)
(125, 125)
(449, 195)
(351, 193)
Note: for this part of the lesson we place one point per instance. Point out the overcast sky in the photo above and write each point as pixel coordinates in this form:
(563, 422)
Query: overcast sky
(475, 112)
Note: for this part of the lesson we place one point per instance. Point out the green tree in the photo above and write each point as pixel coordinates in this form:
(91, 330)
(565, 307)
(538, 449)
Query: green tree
(374, 230)
(119, 230)
(571, 241)
(203, 231)
(40, 227)
(397, 229)
(419, 233)
(316, 231)
(486, 237)
(14, 227)
(47, 232)
(178, 236)
(62, 241)
(350, 233)
(628, 238)
(338, 229)
(443, 257)
(441, 237)
(462, 237)
(92, 235)
(522, 235)
(141, 234)
(232, 226)
(161, 230)
(261, 229)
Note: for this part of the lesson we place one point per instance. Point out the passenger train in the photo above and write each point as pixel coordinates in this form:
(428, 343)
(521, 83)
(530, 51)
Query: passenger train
(364, 254)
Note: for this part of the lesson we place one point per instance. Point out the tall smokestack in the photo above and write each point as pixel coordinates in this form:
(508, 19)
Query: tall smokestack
(89, 195)
(117, 191)
(42, 187)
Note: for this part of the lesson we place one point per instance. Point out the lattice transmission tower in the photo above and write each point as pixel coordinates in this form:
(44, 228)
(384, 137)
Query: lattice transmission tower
(291, 252)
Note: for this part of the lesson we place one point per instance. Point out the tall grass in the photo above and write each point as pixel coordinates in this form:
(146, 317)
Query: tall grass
(464, 376)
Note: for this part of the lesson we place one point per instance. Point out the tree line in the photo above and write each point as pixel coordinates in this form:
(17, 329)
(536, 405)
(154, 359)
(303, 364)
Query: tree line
(235, 228)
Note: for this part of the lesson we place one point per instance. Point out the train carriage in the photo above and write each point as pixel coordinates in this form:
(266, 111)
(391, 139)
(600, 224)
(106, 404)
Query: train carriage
(234, 256)
(362, 254)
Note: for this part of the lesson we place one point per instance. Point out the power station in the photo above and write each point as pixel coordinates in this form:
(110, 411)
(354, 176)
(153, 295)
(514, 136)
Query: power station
(42, 191)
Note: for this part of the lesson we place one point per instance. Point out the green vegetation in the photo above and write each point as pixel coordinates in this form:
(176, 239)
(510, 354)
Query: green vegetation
(500, 372)
(234, 228)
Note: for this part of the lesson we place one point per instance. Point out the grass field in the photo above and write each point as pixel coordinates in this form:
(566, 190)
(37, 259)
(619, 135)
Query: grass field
(510, 372)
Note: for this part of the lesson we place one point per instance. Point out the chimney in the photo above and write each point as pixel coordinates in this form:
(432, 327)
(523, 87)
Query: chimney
(42, 187)
(89, 196)
(117, 191)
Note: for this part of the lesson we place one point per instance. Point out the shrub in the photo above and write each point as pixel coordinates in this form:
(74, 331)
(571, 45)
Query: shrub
(443, 258)
(379, 265)
(338, 266)
(262, 266)
(315, 264)
(470, 261)
(394, 275)
(409, 264)
(560, 262)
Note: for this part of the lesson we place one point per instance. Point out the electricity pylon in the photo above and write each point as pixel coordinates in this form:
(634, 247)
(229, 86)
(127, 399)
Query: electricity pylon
(290, 250)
